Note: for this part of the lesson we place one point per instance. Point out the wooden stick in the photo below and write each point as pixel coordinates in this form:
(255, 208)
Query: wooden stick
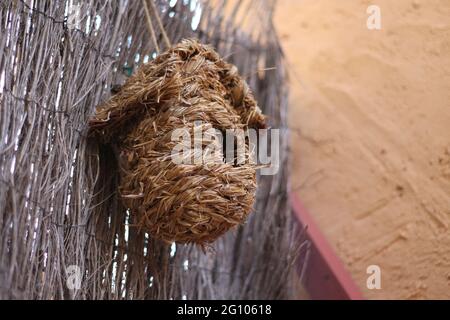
(150, 25)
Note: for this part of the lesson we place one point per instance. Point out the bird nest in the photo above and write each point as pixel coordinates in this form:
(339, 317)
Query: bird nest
(187, 87)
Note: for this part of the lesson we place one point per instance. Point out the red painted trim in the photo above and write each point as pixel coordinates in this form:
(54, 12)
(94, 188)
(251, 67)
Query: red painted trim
(326, 277)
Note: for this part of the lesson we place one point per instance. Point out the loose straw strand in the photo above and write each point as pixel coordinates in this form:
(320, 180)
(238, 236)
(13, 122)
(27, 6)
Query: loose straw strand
(150, 25)
(158, 19)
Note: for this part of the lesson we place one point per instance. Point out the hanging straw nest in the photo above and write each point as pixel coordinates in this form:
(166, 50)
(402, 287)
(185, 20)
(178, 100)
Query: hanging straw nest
(185, 203)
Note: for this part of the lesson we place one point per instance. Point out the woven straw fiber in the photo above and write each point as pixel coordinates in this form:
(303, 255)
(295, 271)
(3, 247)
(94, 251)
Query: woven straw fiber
(185, 203)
